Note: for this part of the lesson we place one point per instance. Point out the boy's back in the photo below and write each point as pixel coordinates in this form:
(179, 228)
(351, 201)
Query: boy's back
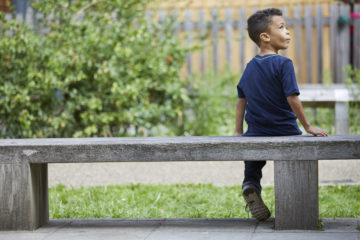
(266, 82)
(268, 93)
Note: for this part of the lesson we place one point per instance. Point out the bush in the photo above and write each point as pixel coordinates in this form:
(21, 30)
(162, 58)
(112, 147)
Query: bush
(97, 68)
(211, 111)
(353, 81)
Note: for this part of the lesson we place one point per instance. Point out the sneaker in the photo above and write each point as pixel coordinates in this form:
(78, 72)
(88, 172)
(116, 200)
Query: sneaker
(255, 203)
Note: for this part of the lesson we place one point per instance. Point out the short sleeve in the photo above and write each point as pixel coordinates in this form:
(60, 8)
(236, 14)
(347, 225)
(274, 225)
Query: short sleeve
(288, 79)
(240, 92)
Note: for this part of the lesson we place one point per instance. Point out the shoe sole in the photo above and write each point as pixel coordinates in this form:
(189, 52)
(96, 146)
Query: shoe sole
(257, 207)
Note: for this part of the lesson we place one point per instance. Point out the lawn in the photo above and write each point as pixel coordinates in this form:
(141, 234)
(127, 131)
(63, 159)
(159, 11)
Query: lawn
(182, 201)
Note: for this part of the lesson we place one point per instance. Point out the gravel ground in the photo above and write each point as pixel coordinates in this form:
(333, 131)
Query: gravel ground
(217, 173)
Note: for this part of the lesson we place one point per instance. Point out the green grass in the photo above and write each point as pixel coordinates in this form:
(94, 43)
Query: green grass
(182, 201)
(339, 201)
(320, 226)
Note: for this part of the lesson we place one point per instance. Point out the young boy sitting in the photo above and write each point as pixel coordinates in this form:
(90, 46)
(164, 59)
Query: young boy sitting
(269, 93)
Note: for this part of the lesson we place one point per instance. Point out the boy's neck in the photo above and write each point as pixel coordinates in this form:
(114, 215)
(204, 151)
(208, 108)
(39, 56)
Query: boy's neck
(264, 50)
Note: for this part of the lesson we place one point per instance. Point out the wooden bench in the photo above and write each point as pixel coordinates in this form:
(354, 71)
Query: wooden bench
(23, 168)
(335, 96)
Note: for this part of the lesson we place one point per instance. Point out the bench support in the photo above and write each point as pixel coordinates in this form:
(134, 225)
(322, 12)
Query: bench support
(23, 196)
(341, 118)
(296, 195)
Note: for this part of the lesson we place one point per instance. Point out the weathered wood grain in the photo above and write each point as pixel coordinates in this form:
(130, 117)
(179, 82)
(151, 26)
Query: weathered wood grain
(202, 32)
(341, 118)
(189, 39)
(309, 42)
(242, 37)
(344, 46)
(158, 149)
(23, 167)
(228, 36)
(215, 30)
(296, 195)
(334, 43)
(298, 42)
(356, 40)
(23, 196)
(319, 42)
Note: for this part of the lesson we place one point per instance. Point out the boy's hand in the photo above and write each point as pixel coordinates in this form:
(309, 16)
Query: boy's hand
(296, 106)
(316, 131)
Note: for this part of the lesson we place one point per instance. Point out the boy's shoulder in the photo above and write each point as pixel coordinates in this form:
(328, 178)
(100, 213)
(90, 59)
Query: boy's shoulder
(273, 61)
(271, 57)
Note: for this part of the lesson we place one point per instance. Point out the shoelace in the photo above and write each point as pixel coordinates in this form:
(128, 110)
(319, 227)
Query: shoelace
(247, 209)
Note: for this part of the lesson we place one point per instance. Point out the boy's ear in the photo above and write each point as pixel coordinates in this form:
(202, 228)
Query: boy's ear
(264, 37)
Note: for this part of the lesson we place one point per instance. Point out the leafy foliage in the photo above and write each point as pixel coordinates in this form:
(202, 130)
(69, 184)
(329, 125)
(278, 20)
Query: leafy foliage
(96, 68)
(212, 110)
(99, 68)
(353, 81)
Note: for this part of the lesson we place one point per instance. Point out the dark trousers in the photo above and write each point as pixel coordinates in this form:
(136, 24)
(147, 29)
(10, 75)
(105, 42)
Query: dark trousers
(253, 173)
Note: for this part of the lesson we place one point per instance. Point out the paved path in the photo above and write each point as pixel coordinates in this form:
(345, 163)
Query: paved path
(217, 173)
(187, 229)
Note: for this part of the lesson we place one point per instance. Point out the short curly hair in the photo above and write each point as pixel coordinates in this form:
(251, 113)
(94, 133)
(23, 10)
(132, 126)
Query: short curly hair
(260, 21)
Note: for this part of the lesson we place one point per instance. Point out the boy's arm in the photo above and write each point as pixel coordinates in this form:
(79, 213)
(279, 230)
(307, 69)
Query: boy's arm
(239, 117)
(296, 106)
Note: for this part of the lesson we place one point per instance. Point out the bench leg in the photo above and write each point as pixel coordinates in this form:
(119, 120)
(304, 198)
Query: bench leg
(296, 195)
(23, 196)
(341, 118)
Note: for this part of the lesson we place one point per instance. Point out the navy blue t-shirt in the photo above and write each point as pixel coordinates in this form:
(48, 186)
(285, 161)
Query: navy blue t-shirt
(265, 83)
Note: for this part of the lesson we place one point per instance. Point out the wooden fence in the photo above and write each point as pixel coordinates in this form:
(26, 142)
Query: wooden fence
(320, 45)
(210, 4)
(320, 48)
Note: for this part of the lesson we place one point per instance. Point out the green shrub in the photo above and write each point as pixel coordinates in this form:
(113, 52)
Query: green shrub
(97, 68)
(353, 81)
(212, 111)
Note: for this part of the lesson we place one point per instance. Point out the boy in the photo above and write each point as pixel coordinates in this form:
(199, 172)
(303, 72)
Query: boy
(269, 92)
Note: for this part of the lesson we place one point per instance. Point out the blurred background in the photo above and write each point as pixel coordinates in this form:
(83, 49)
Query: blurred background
(163, 68)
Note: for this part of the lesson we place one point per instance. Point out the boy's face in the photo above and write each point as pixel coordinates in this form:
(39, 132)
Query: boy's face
(278, 36)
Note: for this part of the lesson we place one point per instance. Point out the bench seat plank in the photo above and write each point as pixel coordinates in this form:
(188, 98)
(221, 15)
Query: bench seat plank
(157, 149)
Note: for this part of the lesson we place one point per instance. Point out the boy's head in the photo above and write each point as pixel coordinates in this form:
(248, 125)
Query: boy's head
(268, 26)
